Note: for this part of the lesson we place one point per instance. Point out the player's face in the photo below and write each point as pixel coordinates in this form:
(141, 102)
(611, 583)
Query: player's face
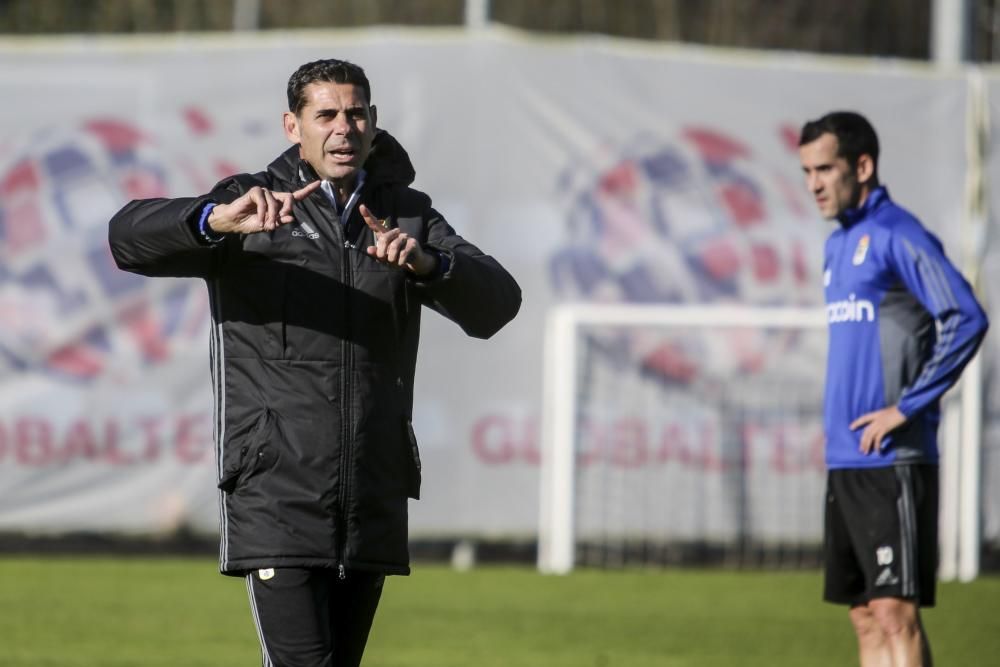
(334, 128)
(834, 185)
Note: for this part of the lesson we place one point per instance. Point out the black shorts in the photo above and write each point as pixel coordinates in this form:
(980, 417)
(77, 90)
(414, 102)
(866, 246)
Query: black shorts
(881, 537)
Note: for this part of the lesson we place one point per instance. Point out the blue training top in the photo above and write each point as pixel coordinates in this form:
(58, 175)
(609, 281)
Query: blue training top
(903, 324)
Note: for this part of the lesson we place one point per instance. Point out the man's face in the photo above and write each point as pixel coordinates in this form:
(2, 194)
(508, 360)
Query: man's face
(830, 178)
(334, 128)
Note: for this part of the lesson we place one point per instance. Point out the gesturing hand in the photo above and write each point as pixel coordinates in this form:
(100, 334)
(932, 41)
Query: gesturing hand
(397, 248)
(257, 210)
(877, 425)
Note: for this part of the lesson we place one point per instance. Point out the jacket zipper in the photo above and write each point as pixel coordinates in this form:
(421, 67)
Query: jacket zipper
(339, 233)
(345, 413)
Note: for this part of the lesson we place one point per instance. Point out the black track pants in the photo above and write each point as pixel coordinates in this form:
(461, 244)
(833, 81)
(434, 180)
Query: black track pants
(312, 617)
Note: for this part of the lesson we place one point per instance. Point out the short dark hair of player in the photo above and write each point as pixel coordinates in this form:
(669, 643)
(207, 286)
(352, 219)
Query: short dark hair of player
(855, 135)
(330, 70)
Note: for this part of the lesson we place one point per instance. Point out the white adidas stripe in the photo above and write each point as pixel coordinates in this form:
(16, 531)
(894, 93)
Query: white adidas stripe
(267, 662)
(217, 358)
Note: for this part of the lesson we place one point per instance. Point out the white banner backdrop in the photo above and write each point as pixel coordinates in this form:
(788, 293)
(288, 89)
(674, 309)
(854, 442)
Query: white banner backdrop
(592, 169)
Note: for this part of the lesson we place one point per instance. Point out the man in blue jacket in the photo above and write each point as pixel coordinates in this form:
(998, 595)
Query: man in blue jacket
(903, 323)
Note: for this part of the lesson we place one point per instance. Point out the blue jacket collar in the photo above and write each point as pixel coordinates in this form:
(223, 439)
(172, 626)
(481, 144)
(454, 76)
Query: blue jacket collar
(874, 199)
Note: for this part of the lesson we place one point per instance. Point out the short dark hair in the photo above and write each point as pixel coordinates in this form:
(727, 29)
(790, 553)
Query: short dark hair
(855, 135)
(331, 70)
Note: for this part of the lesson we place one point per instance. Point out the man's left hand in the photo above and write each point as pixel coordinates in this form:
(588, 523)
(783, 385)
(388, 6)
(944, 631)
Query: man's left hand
(877, 425)
(397, 248)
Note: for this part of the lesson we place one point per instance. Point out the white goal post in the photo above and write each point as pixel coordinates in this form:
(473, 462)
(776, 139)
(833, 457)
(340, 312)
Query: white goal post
(571, 330)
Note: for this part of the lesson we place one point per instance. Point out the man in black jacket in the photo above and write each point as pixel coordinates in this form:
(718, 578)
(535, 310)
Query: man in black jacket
(317, 270)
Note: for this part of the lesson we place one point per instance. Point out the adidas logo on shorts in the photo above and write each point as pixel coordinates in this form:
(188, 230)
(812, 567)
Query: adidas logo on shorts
(886, 578)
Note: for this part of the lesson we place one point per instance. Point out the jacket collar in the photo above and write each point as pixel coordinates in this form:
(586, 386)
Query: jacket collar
(873, 201)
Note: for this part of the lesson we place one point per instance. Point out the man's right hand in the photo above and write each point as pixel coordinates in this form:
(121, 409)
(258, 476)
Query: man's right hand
(878, 425)
(258, 210)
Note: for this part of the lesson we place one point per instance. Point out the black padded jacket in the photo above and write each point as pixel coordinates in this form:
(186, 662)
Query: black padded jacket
(313, 352)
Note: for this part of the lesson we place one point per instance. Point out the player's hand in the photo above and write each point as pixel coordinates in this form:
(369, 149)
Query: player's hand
(877, 425)
(397, 248)
(257, 210)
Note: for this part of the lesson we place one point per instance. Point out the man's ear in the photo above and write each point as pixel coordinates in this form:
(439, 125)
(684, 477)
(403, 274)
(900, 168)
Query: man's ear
(291, 123)
(865, 169)
(374, 112)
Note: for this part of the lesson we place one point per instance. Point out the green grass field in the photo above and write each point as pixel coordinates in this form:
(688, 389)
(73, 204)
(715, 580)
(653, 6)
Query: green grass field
(71, 612)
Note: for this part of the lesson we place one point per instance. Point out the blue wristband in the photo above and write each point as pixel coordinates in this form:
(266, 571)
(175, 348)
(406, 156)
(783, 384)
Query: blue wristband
(206, 232)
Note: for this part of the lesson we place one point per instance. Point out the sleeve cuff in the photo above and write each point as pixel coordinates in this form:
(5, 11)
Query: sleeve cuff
(204, 231)
(444, 264)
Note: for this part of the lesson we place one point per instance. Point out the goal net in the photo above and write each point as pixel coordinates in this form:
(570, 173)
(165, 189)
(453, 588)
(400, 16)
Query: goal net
(679, 434)
(694, 435)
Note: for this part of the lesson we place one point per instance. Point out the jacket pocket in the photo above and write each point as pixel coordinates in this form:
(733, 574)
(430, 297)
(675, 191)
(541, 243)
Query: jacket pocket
(413, 478)
(256, 453)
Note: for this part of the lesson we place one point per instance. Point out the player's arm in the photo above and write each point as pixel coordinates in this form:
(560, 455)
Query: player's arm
(158, 237)
(919, 260)
(180, 237)
(921, 264)
(475, 291)
(447, 273)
